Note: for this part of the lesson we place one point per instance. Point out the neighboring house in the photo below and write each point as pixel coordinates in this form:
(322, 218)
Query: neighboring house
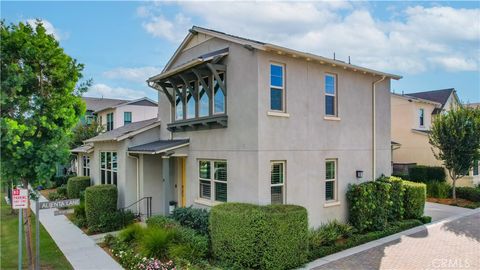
(114, 113)
(412, 116)
(245, 121)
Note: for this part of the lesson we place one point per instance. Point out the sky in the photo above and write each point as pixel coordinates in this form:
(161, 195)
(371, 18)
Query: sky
(433, 45)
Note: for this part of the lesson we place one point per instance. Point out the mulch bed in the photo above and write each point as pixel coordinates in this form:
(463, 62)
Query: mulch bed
(452, 202)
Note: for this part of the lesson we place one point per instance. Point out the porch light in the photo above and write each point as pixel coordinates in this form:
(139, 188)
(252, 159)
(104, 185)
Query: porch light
(359, 174)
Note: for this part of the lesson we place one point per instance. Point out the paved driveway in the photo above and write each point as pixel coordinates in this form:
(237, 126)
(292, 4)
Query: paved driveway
(440, 211)
(450, 244)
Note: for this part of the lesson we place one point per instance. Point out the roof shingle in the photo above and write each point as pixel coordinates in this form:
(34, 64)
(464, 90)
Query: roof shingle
(114, 134)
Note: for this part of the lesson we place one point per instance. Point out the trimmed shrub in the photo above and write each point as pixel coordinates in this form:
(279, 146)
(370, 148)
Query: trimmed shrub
(194, 218)
(396, 211)
(55, 196)
(132, 233)
(60, 180)
(426, 174)
(468, 193)
(62, 190)
(100, 200)
(79, 211)
(414, 199)
(259, 237)
(162, 222)
(439, 190)
(369, 205)
(155, 242)
(112, 221)
(425, 219)
(404, 176)
(76, 185)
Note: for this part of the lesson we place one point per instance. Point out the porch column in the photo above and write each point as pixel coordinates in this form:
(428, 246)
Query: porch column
(166, 182)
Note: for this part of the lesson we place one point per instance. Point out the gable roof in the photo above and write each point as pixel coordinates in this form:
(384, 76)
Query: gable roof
(440, 96)
(125, 131)
(101, 104)
(416, 99)
(255, 44)
(96, 104)
(159, 146)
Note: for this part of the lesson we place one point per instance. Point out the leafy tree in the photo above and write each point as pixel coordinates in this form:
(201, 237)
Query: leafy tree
(83, 131)
(455, 137)
(40, 103)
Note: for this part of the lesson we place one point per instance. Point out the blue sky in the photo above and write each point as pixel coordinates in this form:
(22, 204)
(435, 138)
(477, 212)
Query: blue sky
(434, 45)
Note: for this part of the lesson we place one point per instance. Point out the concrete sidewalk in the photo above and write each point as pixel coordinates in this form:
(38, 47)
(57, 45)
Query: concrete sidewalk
(79, 249)
(441, 211)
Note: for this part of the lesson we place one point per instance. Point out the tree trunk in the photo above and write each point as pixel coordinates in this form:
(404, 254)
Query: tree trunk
(454, 194)
(28, 230)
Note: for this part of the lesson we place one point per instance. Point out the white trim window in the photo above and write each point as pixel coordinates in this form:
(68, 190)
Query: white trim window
(86, 165)
(108, 168)
(421, 117)
(277, 182)
(218, 96)
(109, 121)
(331, 95)
(277, 87)
(212, 176)
(331, 180)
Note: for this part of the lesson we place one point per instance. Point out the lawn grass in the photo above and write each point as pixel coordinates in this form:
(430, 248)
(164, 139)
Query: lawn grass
(50, 256)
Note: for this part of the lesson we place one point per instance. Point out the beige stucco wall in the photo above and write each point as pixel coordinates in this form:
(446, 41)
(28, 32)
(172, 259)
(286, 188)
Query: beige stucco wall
(415, 146)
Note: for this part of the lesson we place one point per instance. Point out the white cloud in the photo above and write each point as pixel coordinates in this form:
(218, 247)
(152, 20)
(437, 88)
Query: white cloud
(414, 40)
(139, 74)
(103, 90)
(48, 28)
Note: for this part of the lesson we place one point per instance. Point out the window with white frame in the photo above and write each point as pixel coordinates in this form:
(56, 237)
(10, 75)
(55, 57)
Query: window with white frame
(108, 167)
(213, 180)
(421, 117)
(331, 180)
(331, 95)
(86, 166)
(218, 96)
(277, 87)
(277, 182)
(109, 121)
(127, 118)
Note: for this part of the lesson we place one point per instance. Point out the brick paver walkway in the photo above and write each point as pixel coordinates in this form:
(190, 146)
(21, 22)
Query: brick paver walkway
(446, 245)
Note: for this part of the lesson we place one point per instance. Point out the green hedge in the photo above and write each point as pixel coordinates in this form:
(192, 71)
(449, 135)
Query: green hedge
(259, 237)
(426, 174)
(468, 193)
(397, 192)
(439, 190)
(414, 199)
(195, 218)
(100, 201)
(77, 184)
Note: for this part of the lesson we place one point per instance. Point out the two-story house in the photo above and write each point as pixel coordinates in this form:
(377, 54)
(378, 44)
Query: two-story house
(412, 116)
(246, 121)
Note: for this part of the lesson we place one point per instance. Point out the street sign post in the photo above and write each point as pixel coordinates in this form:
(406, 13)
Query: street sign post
(59, 204)
(63, 212)
(20, 201)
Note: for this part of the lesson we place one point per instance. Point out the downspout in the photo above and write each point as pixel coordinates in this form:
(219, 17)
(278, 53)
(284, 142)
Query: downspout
(138, 181)
(374, 128)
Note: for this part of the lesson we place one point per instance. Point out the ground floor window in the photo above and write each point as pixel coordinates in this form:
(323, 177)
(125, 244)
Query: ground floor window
(86, 166)
(213, 179)
(331, 180)
(277, 182)
(108, 167)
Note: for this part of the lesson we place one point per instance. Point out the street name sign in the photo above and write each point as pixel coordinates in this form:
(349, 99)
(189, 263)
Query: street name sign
(59, 204)
(20, 198)
(63, 212)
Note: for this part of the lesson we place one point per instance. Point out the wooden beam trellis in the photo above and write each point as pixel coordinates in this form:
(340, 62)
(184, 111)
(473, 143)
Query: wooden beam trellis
(217, 77)
(200, 79)
(192, 89)
(167, 94)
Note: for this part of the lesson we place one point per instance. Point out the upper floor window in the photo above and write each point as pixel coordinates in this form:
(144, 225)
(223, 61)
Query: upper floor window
(86, 166)
(203, 100)
(277, 182)
(108, 167)
(421, 117)
(109, 121)
(331, 180)
(331, 95)
(191, 103)
(218, 96)
(127, 118)
(178, 105)
(277, 87)
(213, 179)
